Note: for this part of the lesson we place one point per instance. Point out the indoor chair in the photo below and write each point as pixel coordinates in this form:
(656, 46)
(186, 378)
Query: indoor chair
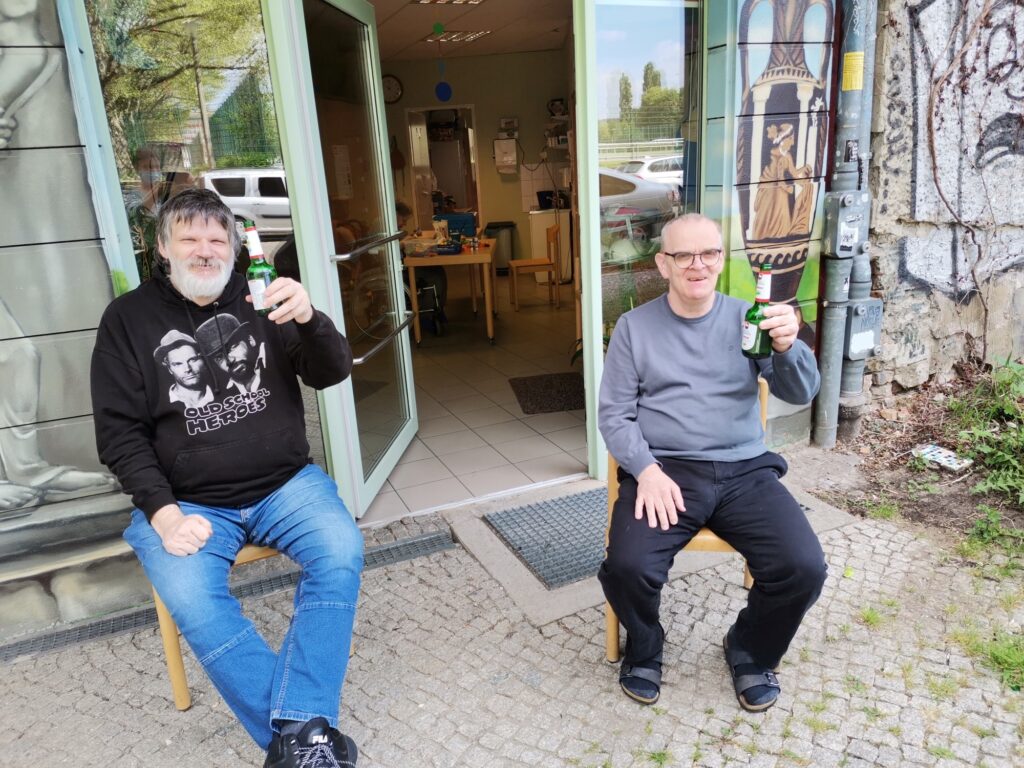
(548, 264)
(172, 641)
(703, 541)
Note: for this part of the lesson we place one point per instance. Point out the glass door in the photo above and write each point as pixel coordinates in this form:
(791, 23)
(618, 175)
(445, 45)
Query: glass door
(327, 75)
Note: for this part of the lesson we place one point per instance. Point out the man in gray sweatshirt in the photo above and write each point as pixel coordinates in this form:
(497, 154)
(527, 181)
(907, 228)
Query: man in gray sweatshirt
(679, 411)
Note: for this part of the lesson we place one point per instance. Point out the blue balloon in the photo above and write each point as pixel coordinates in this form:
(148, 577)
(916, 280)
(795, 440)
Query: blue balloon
(443, 91)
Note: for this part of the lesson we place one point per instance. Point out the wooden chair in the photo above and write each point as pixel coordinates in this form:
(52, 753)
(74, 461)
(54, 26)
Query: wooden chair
(170, 635)
(703, 541)
(548, 264)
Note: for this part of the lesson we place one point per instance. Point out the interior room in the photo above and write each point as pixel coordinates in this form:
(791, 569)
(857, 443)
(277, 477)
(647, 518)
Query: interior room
(479, 120)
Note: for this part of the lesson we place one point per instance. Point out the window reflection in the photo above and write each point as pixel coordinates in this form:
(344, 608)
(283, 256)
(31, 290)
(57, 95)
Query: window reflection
(649, 114)
(188, 95)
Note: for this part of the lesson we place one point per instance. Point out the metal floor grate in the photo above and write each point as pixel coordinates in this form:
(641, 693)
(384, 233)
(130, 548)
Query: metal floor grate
(560, 540)
(375, 557)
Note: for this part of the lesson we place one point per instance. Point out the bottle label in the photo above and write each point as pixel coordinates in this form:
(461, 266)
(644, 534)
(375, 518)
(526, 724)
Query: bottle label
(749, 336)
(252, 242)
(764, 287)
(257, 288)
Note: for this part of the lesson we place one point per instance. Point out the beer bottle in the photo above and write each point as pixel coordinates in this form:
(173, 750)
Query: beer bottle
(757, 343)
(261, 272)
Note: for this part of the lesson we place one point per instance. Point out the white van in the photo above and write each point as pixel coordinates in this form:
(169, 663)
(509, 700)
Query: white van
(257, 194)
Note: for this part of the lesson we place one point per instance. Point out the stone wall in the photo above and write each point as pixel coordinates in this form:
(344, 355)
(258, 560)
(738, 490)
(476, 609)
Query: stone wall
(947, 175)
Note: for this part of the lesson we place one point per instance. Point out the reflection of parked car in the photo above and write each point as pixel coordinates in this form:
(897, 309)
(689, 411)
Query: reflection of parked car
(633, 208)
(257, 194)
(677, 171)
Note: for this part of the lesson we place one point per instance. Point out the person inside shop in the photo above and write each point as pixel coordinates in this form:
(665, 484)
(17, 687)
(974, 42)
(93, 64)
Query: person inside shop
(207, 480)
(678, 409)
(431, 282)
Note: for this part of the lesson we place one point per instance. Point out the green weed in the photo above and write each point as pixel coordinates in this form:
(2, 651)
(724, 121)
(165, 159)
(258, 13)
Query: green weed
(870, 618)
(1003, 653)
(881, 510)
(659, 758)
(818, 725)
(942, 687)
(854, 685)
(941, 752)
(991, 418)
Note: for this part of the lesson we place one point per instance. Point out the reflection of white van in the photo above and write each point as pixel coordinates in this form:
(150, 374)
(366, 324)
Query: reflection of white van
(258, 194)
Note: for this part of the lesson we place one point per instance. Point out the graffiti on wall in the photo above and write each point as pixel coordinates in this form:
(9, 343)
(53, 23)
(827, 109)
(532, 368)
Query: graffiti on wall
(966, 101)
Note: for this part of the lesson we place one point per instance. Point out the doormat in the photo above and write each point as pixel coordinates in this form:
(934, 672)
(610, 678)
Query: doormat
(560, 540)
(549, 392)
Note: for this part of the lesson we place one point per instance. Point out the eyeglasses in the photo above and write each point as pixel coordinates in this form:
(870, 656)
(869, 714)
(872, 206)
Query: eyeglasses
(685, 260)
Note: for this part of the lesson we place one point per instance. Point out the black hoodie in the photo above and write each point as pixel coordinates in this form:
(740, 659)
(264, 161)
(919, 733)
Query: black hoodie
(201, 404)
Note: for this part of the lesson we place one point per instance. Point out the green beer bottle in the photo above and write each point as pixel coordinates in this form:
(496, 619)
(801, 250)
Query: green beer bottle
(261, 272)
(757, 343)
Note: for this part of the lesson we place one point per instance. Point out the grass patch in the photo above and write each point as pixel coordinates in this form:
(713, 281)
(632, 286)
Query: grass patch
(942, 687)
(874, 714)
(1002, 652)
(818, 725)
(870, 618)
(659, 758)
(941, 752)
(881, 510)
(854, 685)
(794, 758)
(991, 421)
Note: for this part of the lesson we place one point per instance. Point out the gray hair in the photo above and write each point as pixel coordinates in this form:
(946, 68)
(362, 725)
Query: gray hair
(191, 204)
(690, 218)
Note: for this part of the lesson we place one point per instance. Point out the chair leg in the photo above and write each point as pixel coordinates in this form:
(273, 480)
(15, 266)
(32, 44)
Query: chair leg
(558, 291)
(611, 635)
(172, 652)
(513, 291)
(748, 579)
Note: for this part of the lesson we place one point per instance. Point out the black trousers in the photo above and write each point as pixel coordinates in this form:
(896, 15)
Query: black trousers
(744, 503)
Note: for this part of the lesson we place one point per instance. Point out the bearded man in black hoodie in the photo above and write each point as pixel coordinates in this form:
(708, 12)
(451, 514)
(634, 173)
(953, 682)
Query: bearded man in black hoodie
(206, 479)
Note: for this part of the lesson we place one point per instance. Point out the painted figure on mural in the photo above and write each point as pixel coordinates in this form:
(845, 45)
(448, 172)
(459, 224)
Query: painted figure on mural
(784, 204)
(782, 133)
(35, 111)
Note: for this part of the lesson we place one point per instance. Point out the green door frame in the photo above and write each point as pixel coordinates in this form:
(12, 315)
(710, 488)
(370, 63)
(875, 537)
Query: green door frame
(300, 144)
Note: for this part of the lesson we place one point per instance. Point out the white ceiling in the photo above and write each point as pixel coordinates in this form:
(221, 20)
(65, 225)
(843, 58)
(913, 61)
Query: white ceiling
(516, 26)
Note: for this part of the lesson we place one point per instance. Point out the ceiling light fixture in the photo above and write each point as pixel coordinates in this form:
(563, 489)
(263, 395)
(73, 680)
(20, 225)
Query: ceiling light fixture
(451, 36)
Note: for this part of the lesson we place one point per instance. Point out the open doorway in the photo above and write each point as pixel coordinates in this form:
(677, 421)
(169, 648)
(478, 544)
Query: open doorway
(442, 145)
(482, 429)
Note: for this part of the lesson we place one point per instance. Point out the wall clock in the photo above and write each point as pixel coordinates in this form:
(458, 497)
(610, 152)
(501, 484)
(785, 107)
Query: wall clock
(392, 89)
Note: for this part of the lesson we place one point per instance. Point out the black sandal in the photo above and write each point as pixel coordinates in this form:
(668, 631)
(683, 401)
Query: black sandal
(644, 677)
(747, 674)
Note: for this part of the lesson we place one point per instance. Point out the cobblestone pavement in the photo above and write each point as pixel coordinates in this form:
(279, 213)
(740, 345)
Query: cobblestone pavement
(446, 671)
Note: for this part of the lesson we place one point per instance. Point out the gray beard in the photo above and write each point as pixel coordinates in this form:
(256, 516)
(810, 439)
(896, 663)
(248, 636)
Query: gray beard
(196, 288)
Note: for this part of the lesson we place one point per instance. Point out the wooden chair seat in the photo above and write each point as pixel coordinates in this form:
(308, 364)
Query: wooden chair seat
(703, 541)
(548, 264)
(171, 636)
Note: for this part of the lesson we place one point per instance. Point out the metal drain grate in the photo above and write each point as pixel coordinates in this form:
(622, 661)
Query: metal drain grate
(375, 557)
(560, 540)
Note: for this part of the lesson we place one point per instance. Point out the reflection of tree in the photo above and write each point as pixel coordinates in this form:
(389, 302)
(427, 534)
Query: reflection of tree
(146, 67)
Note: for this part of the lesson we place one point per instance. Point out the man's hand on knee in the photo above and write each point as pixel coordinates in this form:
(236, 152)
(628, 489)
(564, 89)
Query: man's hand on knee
(659, 495)
(181, 534)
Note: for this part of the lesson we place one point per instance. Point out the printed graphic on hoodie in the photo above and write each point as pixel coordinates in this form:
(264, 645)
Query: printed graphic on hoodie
(225, 352)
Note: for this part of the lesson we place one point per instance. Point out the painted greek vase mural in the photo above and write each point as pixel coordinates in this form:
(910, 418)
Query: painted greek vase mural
(782, 133)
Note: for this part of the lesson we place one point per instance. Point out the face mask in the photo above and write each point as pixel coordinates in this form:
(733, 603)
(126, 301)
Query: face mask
(151, 177)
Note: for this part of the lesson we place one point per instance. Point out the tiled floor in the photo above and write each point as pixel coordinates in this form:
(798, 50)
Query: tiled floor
(474, 440)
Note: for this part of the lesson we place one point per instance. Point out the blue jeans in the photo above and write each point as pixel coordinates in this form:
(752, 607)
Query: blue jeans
(305, 520)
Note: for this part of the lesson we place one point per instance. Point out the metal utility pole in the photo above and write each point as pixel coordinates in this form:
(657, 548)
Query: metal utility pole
(851, 320)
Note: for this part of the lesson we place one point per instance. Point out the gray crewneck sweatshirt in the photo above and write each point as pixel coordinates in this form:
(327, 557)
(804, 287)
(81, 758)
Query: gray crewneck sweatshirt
(677, 387)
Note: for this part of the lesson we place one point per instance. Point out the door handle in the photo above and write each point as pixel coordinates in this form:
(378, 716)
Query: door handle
(383, 342)
(355, 252)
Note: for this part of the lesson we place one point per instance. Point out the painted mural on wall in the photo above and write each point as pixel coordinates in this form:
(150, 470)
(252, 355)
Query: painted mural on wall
(40, 167)
(782, 134)
(962, 84)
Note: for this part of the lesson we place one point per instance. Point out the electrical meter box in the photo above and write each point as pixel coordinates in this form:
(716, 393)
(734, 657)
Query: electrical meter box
(863, 329)
(846, 223)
